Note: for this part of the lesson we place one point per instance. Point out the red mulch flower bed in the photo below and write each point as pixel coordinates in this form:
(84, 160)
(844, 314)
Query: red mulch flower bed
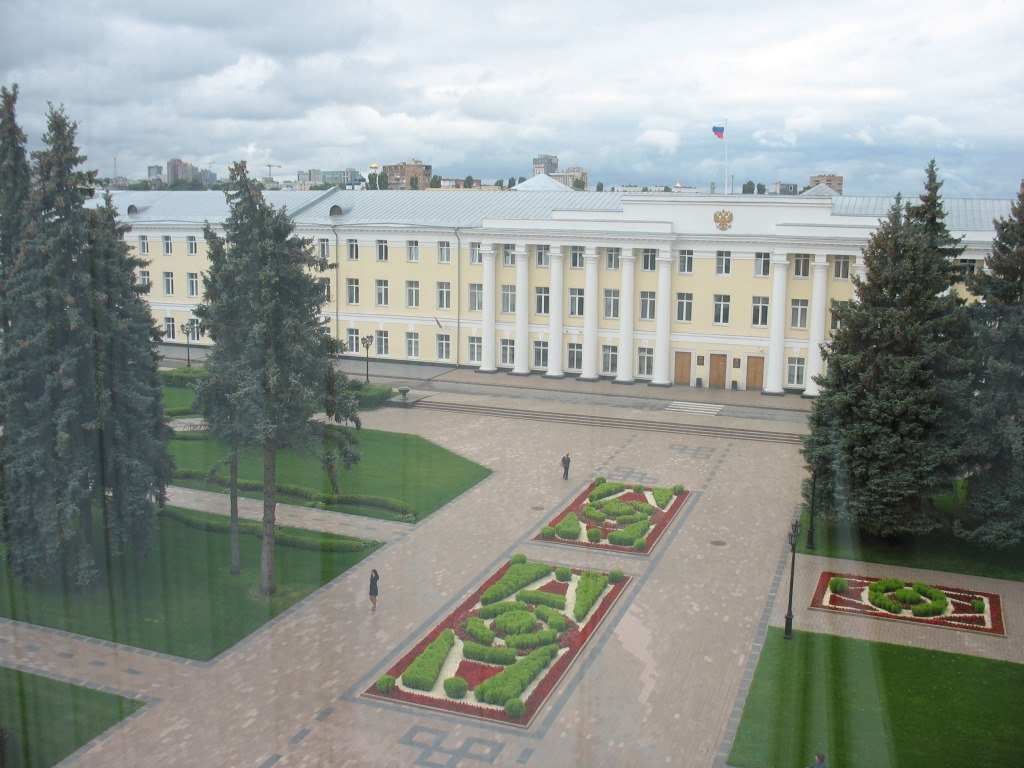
(963, 616)
(572, 641)
(555, 587)
(475, 672)
(660, 521)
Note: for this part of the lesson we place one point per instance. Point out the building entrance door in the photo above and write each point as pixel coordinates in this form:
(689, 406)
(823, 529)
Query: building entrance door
(717, 377)
(755, 373)
(682, 368)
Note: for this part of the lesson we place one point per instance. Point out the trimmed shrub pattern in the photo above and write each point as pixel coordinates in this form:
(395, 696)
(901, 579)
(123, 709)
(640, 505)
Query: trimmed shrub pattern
(838, 585)
(547, 532)
(490, 611)
(552, 618)
(515, 578)
(569, 527)
(614, 577)
(562, 573)
(588, 589)
(386, 684)
(422, 673)
(594, 535)
(662, 496)
(593, 513)
(978, 605)
(515, 622)
(629, 534)
(456, 687)
(489, 655)
(605, 489)
(531, 639)
(536, 597)
(512, 681)
(515, 708)
(479, 631)
(518, 559)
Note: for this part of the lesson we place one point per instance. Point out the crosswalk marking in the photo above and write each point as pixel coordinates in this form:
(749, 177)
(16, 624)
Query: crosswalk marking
(702, 409)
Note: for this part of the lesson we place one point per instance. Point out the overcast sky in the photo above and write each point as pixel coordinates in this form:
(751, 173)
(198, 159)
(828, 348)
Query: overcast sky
(628, 90)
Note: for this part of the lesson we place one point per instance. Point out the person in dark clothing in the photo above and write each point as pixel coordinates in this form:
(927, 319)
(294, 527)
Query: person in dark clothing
(565, 466)
(374, 578)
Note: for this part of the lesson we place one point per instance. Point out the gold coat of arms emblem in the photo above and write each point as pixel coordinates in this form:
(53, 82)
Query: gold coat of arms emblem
(723, 219)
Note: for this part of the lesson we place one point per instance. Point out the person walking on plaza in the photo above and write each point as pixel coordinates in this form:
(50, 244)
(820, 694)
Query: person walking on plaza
(565, 466)
(374, 578)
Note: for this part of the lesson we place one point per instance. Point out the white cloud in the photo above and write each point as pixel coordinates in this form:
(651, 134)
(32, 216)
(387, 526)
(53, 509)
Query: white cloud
(665, 141)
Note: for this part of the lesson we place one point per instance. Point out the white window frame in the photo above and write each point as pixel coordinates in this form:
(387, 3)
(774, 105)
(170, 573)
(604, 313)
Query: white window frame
(795, 372)
(353, 249)
(542, 305)
(840, 267)
(647, 305)
(444, 294)
(476, 349)
(383, 342)
(168, 245)
(722, 309)
(508, 351)
(144, 278)
(684, 307)
(412, 344)
(609, 359)
(475, 256)
(612, 257)
(645, 361)
(325, 248)
(169, 326)
(575, 257)
(383, 289)
(759, 312)
(508, 299)
(382, 250)
(144, 245)
(352, 290)
(575, 302)
(540, 354)
(762, 264)
(476, 297)
(508, 254)
(412, 251)
(723, 263)
(444, 252)
(543, 256)
(191, 284)
(798, 313)
(412, 294)
(574, 358)
(443, 346)
(801, 265)
(685, 262)
(649, 259)
(352, 340)
(168, 283)
(193, 245)
(611, 303)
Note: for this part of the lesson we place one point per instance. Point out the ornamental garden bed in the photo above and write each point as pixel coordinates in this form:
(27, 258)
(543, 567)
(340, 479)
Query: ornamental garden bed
(891, 598)
(502, 651)
(616, 516)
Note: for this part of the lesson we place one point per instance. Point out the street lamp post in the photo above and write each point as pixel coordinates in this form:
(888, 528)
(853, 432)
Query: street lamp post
(186, 331)
(367, 342)
(794, 534)
(814, 498)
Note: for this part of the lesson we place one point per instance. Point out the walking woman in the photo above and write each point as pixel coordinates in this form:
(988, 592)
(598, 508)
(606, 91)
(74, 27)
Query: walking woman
(374, 578)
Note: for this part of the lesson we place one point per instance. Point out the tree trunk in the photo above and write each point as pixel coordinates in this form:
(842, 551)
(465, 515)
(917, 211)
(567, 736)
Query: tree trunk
(267, 585)
(236, 559)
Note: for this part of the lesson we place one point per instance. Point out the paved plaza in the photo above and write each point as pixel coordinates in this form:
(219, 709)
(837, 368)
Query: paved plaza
(659, 684)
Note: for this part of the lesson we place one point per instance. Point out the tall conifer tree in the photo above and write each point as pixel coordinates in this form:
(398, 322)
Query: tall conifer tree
(14, 189)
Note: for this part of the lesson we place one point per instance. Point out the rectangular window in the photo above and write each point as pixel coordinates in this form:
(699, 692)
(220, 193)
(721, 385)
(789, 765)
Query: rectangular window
(723, 262)
(508, 352)
(353, 249)
(611, 257)
(801, 265)
(508, 298)
(967, 267)
(575, 361)
(762, 264)
(143, 244)
(576, 302)
(835, 324)
(646, 305)
(444, 295)
(798, 313)
(609, 359)
(476, 349)
(444, 252)
(412, 250)
(841, 267)
(169, 328)
(168, 283)
(684, 307)
(167, 245)
(645, 361)
(721, 308)
(193, 246)
(382, 342)
(382, 250)
(352, 290)
(325, 248)
(412, 293)
(192, 283)
(611, 303)
(352, 341)
(650, 259)
(576, 257)
(382, 293)
(508, 255)
(476, 297)
(192, 329)
(144, 278)
(543, 301)
(412, 344)
(444, 346)
(474, 254)
(760, 316)
(543, 255)
(540, 354)
(795, 372)
(686, 262)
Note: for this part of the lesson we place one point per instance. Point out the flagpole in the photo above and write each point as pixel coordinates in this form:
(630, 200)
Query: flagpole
(725, 185)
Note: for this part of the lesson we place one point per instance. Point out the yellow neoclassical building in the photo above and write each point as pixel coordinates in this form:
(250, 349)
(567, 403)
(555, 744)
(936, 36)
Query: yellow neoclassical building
(721, 291)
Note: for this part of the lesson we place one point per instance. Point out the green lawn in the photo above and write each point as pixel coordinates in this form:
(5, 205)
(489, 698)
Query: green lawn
(394, 465)
(182, 599)
(46, 720)
(178, 400)
(877, 705)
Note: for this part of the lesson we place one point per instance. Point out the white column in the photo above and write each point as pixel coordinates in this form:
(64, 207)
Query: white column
(555, 320)
(662, 317)
(860, 268)
(487, 359)
(522, 364)
(627, 266)
(590, 304)
(816, 336)
(777, 324)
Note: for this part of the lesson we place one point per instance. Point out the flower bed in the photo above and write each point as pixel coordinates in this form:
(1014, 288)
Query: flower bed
(540, 662)
(937, 606)
(615, 514)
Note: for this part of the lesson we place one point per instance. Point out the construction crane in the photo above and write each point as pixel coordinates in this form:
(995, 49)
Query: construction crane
(270, 172)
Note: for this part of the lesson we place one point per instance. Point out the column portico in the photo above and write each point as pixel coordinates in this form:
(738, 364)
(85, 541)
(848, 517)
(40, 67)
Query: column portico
(663, 305)
(816, 335)
(590, 302)
(522, 360)
(627, 265)
(487, 359)
(555, 320)
(777, 325)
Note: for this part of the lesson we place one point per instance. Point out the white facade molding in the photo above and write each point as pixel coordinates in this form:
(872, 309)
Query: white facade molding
(590, 305)
(816, 335)
(522, 310)
(556, 314)
(777, 324)
(487, 352)
(627, 270)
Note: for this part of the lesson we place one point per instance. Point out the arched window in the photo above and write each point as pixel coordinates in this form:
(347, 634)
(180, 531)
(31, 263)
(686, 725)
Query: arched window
(335, 210)
(132, 210)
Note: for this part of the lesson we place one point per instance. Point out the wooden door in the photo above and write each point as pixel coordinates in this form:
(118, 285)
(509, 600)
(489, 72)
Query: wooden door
(755, 373)
(682, 368)
(717, 377)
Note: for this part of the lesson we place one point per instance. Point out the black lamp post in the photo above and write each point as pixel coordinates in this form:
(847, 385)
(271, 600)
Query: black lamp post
(186, 331)
(814, 499)
(367, 342)
(794, 534)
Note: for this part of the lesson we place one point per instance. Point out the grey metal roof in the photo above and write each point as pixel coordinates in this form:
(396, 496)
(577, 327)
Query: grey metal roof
(821, 189)
(541, 183)
(963, 214)
(195, 207)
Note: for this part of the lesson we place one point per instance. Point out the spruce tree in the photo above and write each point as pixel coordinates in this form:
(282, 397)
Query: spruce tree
(14, 189)
(995, 510)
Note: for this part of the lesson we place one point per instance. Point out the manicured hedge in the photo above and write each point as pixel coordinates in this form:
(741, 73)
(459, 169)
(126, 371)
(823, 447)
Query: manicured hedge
(536, 597)
(907, 596)
(456, 687)
(630, 533)
(614, 577)
(593, 535)
(600, 480)
(662, 496)
(184, 377)
(838, 585)
(512, 681)
(615, 509)
(515, 622)
(678, 489)
(490, 611)
(588, 589)
(479, 631)
(643, 508)
(552, 618)
(635, 517)
(518, 559)
(531, 639)
(515, 708)
(937, 601)
(422, 673)
(978, 605)
(569, 528)
(373, 396)
(593, 513)
(488, 654)
(386, 684)
(515, 578)
(547, 532)
(884, 602)
(606, 489)
(562, 573)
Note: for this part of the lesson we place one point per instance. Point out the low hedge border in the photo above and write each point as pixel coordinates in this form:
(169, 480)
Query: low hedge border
(184, 377)
(601, 490)
(532, 639)
(552, 618)
(496, 609)
(422, 673)
(588, 590)
(536, 597)
(515, 578)
(479, 631)
(513, 680)
(488, 654)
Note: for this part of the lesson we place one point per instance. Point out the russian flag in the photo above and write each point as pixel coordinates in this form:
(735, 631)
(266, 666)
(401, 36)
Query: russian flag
(718, 130)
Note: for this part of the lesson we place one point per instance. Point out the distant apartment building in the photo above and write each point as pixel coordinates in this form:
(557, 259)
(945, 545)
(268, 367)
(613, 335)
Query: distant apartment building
(346, 178)
(830, 180)
(412, 174)
(155, 173)
(574, 177)
(179, 171)
(448, 182)
(545, 164)
(785, 188)
(206, 177)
